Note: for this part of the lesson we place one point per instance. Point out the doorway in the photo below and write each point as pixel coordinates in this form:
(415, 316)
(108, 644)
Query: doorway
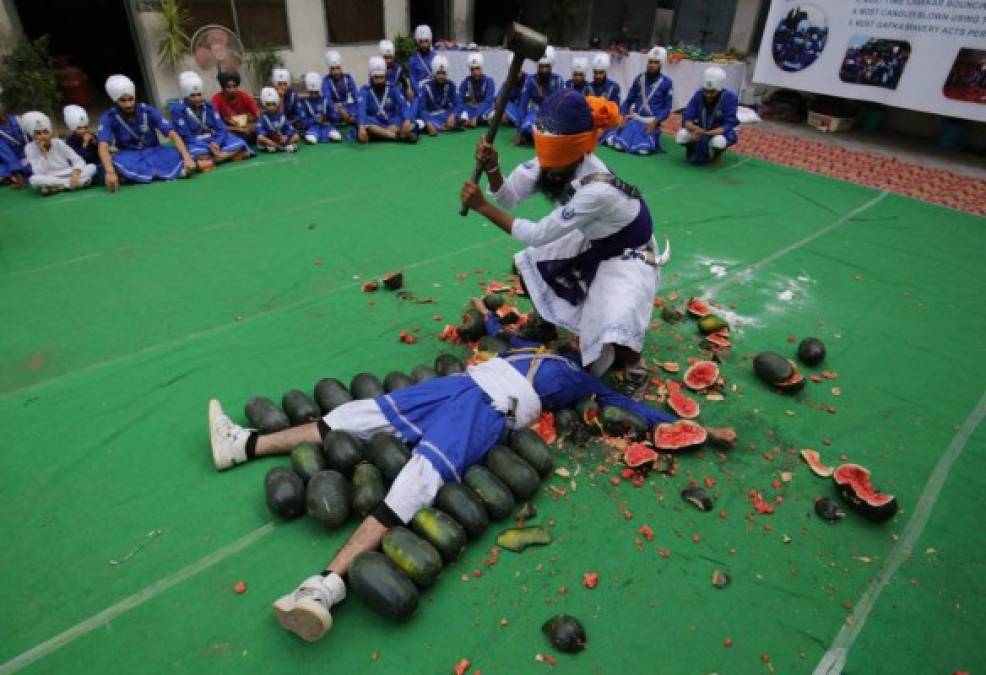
(704, 23)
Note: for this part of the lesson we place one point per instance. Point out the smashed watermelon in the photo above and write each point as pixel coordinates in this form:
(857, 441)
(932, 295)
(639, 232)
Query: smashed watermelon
(718, 341)
(699, 308)
(682, 434)
(679, 403)
(702, 375)
(545, 428)
(813, 459)
(638, 454)
(856, 488)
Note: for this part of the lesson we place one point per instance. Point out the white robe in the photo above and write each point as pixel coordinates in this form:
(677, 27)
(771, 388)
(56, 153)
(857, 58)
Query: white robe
(53, 169)
(618, 305)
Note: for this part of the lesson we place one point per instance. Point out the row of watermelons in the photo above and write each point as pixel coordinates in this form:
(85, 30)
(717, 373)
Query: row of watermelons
(345, 475)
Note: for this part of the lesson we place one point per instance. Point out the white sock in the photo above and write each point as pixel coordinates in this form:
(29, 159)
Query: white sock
(336, 587)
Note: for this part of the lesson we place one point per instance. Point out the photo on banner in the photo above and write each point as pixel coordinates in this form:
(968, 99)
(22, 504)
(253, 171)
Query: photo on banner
(800, 38)
(875, 62)
(967, 78)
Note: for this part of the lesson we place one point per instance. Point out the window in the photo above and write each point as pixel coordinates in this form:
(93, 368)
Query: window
(259, 23)
(350, 21)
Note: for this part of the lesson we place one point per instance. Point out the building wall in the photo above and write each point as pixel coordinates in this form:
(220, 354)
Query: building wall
(309, 42)
(10, 26)
(744, 24)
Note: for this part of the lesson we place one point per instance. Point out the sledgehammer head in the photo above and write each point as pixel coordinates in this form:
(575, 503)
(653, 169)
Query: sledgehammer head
(525, 42)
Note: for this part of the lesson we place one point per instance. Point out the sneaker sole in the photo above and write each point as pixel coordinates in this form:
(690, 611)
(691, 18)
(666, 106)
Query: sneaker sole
(303, 622)
(214, 411)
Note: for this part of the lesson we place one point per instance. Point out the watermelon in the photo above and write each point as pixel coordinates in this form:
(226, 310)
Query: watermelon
(284, 492)
(423, 373)
(515, 473)
(813, 459)
(619, 422)
(465, 507)
(638, 455)
(300, 408)
(516, 539)
(473, 326)
(857, 489)
(327, 498)
(395, 380)
(388, 453)
(701, 375)
(414, 556)
(496, 496)
(441, 531)
(545, 428)
(378, 582)
(342, 451)
(368, 488)
(699, 308)
(330, 393)
(265, 416)
(448, 364)
(681, 434)
(366, 385)
(307, 460)
(393, 281)
(681, 404)
(532, 449)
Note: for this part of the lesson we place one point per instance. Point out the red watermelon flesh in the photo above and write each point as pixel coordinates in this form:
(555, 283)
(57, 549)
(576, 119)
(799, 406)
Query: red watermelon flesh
(813, 459)
(856, 488)
(638, 454)
(681, 434)
(702, 375)
(545, 428)
(699, 308)
(718, 341)
(681, 404)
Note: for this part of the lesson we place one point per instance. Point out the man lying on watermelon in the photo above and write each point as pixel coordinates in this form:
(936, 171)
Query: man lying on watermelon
(450, 422)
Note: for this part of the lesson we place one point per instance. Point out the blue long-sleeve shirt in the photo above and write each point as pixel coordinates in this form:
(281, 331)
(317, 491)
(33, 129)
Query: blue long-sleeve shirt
(419, 67)
(374, 109)
(608, 89)
(311, 110)
(132, 133)
(477, 94)
(722, 113)
(195, 124)
(561, 382)
(583, 89)
(649, 97)
(342, 93)
(434, 97)
(535, 92)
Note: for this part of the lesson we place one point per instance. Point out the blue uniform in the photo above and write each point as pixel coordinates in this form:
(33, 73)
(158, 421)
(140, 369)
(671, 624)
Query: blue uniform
(451, 423)
(435, 102)
(198, 127)
(389, 108)
(722, 113)
(533, 95)
(477, 96)
(609, 90)
(342, 96)
(648, 97)
(584, 89)
(275, 127)
(140, 157)
(513, 112)
(314, 116)
(289, 103)
(13, 140)
(419, 68)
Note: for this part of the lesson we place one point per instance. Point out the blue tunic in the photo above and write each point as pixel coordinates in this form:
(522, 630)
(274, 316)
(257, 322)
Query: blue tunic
(533, 95)
(513, 112)
(289, 103)
(435, 102)
(275, 127)
(648, 97)
(140, 157)
(419, 67)
(342, 96)
(585, 89)
(477, 96)
(722, 113)
(451, 423)
(198, 127)
(13, 140)
(390, 108)
(397, 76)
(314, 116)
(609, 90)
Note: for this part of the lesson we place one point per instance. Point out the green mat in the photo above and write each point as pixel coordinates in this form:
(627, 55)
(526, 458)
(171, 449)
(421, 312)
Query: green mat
(125, 313)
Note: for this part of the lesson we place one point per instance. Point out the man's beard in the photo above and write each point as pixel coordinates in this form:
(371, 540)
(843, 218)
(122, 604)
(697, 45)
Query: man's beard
(554, 186)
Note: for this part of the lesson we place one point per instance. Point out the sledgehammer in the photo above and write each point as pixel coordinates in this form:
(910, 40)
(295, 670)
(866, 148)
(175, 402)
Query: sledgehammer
(525, 44)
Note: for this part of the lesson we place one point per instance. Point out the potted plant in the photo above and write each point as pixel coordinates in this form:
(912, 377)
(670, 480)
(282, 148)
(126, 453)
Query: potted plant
(261, 61)
(174, 43)
(29, 77)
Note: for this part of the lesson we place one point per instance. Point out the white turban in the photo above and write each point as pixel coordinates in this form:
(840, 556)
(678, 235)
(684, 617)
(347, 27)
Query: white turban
(119, 85)
(475, 60)
(440, 64)
(75, 117)
(658, 54)
(333, 58)
(422, 32)
(269, 95)
(387, 48)
(377, 66)
(579, 64)
(313, 81)
(713, 78)
(280, 75)
(190, 83)
(34, 121)
(600, 61)
(549, 57)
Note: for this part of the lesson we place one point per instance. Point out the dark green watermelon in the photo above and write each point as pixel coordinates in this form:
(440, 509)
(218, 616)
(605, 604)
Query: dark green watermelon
(465, 507)
(300, 408)
(378, 582)
(330, 393)
(284, 492)
(532, 449)
(388, 453)
(366, 385)
(265, 416)
(423, 373)
(448, 364)
(307, 460)
(342, 451)
(496, 496)
(515, 473)
(396, 380)
(368, 488)
(327, 498)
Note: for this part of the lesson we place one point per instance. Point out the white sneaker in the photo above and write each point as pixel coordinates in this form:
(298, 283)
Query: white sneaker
(228, 440)
(305, 611)
(290, 147)
(335, 136)
(311, 139)
(270, 148)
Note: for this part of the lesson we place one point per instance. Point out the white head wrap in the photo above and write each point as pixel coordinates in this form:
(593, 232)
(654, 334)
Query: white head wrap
(377, 66)
(190, 83)
(280, 75)
(422, 32)
(313, 81)
(713, 78)
(579, 65)
(475, 60)
(658, 54)
(269, 95)
(387, 48)
(440, 64)
(333, 58)
(119, 85)
(600, 61)
(33, 121)
(549, 57)
(75, 117)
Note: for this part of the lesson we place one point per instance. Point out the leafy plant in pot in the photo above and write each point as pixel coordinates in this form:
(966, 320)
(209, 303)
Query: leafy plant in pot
(28, 78)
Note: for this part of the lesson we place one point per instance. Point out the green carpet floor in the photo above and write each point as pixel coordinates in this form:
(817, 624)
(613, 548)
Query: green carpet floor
(123, 314)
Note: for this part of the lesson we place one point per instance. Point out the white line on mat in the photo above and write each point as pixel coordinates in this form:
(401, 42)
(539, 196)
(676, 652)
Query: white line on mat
(715, 288)
(138, 598)
(833, 661)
